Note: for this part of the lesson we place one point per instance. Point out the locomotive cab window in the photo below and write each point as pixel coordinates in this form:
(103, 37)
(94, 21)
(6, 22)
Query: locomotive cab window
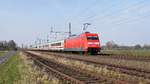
(92, 38)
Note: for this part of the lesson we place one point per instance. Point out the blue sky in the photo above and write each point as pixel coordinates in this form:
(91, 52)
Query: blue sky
(124, 21)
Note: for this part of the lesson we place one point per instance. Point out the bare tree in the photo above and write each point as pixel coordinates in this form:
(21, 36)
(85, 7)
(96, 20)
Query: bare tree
(10, 45)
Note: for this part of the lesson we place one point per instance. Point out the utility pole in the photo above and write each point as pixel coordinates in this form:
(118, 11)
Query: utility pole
(69, 29)
(22, 46)
(40, 41)
(51, 30)
(47, 38)
(36, 44)
(51, 34)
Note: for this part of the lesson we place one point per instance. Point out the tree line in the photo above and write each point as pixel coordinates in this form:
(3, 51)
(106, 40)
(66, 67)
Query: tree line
(113, 45)
(8, 45)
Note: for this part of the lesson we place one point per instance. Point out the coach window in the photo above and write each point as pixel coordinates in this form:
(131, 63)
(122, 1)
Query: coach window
(56, 44)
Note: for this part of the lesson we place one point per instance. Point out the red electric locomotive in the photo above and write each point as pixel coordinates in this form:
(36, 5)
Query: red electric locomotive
(86, 42)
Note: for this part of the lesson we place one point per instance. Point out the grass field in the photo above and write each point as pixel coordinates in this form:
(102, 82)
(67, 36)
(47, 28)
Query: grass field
(19, 70)
(9, 71)
(129, 52)
(1, 53)
(104, 71)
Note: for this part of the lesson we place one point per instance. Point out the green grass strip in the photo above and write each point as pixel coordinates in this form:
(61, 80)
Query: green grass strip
(9, 72)
(2, 53)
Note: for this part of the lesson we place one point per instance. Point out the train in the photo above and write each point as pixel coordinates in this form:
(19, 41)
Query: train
(86, 43)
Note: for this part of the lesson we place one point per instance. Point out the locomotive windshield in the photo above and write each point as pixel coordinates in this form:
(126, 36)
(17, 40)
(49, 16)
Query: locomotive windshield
(92, 38)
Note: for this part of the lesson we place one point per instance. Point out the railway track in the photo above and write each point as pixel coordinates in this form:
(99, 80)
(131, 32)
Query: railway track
(113, 56)
(123, 69)
(74, 75)
(125, 57)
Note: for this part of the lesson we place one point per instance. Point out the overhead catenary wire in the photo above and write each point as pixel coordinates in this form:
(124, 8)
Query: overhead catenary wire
(132, 19)
(84, 10)
(142, 3)
(138, 18)
(135, 19)
(106, 9)
(89, 8)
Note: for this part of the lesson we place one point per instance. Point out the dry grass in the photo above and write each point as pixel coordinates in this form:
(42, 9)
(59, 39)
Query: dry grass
(121, 62)
(130, 52)
(98, 70)
(101, 71)
(127, 63)
(31, 74)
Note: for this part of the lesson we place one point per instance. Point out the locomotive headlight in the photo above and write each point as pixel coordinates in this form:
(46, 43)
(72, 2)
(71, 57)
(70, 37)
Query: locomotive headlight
(90, 43)
(97, 43)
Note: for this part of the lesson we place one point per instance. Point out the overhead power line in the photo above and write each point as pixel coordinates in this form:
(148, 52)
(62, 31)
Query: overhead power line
(142, 3)
(134, 20)
(106, 9)
(129, 19)
(84, 10)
